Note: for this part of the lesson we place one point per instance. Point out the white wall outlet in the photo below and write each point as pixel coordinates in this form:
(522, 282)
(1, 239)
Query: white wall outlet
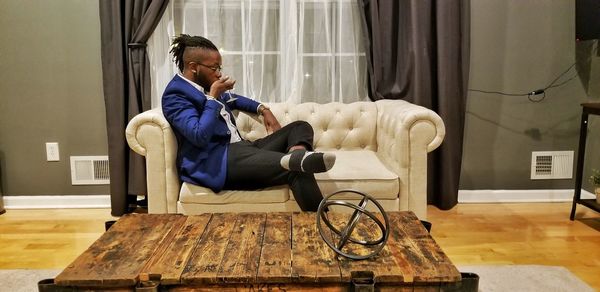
(52, 151)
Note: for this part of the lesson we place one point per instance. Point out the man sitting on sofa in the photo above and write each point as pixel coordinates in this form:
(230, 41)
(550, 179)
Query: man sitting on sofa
(197, 103)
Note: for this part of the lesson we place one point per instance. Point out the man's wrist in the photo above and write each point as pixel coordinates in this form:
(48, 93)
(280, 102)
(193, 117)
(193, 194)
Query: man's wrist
(262, 108)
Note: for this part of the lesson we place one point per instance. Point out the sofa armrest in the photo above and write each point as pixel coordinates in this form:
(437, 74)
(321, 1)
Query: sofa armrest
(405, 134)
(150, 135)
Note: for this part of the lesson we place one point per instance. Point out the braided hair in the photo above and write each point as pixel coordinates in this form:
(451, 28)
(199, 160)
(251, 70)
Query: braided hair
(184, 41)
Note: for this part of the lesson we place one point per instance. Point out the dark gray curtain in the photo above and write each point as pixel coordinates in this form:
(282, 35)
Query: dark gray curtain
(125, 28)
(418, 50)
(2, 210)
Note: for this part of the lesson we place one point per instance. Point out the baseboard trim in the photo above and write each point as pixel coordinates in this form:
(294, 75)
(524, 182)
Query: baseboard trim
(519, 196)
(57, 202)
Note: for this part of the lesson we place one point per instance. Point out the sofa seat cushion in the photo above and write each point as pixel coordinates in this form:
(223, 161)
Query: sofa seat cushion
(191, 193)
(360, 170)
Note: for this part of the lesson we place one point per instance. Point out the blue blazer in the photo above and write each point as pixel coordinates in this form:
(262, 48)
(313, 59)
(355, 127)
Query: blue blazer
(201, 131)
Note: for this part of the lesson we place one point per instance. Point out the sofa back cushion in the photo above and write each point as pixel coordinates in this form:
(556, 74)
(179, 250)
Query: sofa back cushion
(337, 126)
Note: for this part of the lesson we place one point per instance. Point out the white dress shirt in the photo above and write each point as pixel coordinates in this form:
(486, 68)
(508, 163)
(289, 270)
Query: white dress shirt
(235, 136)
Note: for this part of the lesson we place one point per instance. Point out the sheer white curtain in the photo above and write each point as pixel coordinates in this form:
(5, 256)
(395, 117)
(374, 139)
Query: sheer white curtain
(278, 50)
(162, 68)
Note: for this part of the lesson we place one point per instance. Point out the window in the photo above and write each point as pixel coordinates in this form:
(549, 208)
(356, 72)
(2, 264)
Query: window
(283, 50)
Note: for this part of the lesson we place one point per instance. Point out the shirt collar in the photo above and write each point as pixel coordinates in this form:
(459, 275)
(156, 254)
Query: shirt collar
(192, 83)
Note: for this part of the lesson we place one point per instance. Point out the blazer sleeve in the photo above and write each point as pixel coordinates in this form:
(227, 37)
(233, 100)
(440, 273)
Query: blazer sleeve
(196, 123)
(242, 103)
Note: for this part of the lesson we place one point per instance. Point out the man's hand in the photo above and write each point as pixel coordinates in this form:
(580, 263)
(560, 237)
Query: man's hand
(220, 86)
(271, 123)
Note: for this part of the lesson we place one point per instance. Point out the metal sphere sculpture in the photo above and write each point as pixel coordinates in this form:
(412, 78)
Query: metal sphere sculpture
(345, 234)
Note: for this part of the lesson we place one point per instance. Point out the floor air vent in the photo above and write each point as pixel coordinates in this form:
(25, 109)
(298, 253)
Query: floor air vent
(89, 170)
(552, 165)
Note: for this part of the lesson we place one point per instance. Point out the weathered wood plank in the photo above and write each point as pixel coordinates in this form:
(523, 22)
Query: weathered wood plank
(395, 287)
(446, 269)
(285, 287)
(440, 268)
(426, 287)
(412, 254)
(384, 267)
(171, 260)
(241, 258)
(276, 256)
(312, 259)
(118, 256)
(206, 258)
(404, 251)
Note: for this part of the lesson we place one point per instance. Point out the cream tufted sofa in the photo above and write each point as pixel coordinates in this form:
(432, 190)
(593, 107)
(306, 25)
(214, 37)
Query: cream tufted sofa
(381, 149)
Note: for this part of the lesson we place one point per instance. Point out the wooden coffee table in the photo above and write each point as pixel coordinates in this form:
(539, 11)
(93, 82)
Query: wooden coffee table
(254, 252)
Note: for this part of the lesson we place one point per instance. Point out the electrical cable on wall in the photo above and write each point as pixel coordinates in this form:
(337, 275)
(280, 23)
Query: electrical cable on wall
(533, 95)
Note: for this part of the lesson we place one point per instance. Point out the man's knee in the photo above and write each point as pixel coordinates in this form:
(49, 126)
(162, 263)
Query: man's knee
(303, 126)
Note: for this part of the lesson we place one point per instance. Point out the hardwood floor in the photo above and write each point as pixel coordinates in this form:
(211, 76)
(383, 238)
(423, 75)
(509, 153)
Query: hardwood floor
(49, 238)
(524, 234)
(471, 234)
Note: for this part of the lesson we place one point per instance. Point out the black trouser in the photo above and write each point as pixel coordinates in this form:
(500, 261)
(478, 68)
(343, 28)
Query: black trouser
(255, 165)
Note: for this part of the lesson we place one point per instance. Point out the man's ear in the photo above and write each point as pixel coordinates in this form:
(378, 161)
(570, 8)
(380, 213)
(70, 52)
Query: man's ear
(193, 66)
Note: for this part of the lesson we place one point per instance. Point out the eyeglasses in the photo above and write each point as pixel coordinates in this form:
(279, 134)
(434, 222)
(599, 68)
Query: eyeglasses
(214, 68)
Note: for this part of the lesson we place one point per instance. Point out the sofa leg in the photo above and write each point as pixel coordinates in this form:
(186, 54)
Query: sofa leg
(137, 206)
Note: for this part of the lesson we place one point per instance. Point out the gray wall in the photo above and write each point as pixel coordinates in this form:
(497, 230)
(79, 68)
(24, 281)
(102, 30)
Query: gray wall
(50, 91)
(519, 46)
